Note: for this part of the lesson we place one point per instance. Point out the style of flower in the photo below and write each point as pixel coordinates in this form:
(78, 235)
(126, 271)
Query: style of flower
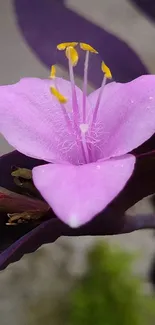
(86, 139)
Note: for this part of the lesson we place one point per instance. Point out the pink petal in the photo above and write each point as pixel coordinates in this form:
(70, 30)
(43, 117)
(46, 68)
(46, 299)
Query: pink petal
(126, 116)
(78, 193)
(32, 121)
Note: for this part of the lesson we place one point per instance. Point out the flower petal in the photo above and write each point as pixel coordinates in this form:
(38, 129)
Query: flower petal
(126, 116)
(78, 193)
(32, 120)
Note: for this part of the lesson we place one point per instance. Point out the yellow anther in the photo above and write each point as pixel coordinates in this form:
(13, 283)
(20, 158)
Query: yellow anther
(62, 99)
(87, 47)
(106, 70)
(63, 46)
(53, 72)
(72, 55)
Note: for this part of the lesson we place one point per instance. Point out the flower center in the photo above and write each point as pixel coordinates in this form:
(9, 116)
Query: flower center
(84, 124)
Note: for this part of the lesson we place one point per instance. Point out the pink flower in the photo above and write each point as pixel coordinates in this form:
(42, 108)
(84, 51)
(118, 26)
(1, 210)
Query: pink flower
(86, 139)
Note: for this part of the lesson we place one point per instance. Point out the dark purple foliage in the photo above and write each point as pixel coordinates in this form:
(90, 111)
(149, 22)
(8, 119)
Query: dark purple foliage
(19, 240)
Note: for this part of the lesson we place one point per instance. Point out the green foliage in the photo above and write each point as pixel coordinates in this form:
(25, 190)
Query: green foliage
(109, 294)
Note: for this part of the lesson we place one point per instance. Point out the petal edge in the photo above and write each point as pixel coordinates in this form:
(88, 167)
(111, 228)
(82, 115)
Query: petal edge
(78, 193)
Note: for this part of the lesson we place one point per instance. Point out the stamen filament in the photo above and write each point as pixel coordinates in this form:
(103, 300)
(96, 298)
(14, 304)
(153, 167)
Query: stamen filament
(85, 85)
(98, 101)
(74, 96)
(107, 75)
(85, 148)
(84, 128)
(88, 123)
(63, 108)
(76, 115)
(68, 122)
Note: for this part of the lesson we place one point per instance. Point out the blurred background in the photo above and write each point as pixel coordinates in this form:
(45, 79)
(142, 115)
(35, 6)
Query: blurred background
(42, 287)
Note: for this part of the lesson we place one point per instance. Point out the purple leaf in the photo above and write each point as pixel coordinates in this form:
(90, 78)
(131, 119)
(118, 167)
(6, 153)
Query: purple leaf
(17, 241)
(147, 6)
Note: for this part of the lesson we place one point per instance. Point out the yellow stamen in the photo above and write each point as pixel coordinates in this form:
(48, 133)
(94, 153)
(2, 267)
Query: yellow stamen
(63, 46)
(53, 72)
(106, 70)
(72, 55)
(62, 99)
(87, 47)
